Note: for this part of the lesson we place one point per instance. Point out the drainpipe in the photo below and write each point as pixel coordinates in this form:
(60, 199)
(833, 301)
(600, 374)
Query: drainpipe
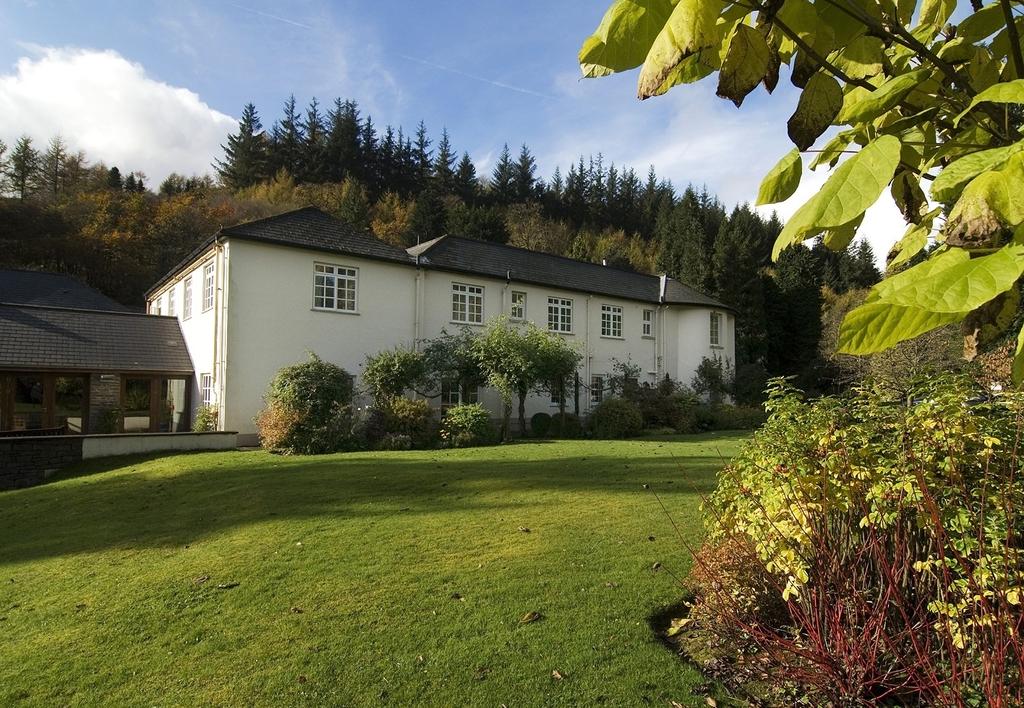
(588, 370)
(218, 325)
(417, 305)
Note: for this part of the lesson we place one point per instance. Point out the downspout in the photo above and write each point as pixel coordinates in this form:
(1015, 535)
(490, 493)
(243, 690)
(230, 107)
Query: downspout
(659, 329)
(217, 373)
(225, 288)
(417, 305)
(506, 304)
(588, 371)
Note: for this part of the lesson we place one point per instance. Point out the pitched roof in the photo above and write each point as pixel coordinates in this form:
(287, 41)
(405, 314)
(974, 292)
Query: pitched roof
(26, 287)
(475, 257)
(53, 338)
(311, 228)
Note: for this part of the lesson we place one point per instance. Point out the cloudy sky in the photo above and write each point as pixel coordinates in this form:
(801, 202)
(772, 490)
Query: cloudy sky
(156, 86)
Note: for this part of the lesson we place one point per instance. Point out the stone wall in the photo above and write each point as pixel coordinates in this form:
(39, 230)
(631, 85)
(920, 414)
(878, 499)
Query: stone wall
(104, 396)
(26, 461)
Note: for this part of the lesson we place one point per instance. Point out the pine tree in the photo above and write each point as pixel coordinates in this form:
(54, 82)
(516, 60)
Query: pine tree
(52, 169)
(129, 183)
(444, 165)
(287, 141)
(524, 176)
(114, 179)
(467, 187)
(683, 252)
(3, 168)
(23, 168)
(793, 307)
(314, 145)
(576, 188)
(368, 170)
(739, 283)
(502, 185)
(342, 145)
(245, 155)
(424, 162)
(429, 218)
(354, 205)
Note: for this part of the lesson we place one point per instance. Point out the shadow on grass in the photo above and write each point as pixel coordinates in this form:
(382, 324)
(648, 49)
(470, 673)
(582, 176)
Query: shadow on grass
(167, 501)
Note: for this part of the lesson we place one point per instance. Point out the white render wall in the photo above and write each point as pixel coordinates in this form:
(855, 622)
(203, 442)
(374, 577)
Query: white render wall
(266, 319)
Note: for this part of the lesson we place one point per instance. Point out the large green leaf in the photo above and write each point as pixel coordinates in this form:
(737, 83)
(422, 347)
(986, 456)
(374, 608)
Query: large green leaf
(840, 237)
(964, 287)
(934, 16)
(624, 37)
(849, 191)
(983, 23)
(991, 201)
(938, 262)
(819, 102)
(690, 70)
(690, 28)
(1018, 359)
(783, 179)
(746, 64)
(833, 149)
(914, 240)
(951, 181)
(876, 326)
(1006, 92)
(861, 58)
(883, 98)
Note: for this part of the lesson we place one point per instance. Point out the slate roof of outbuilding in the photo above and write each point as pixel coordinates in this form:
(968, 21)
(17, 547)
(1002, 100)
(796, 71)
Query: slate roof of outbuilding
(63, 339)
(311, 228)
(28, 287)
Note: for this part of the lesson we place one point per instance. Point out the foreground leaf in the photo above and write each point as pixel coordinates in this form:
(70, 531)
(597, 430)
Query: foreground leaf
(914, 240)
(950, 182)
(849, 191)
(746, 64)
(877, 102)
(819, 103)
(1018, 359)
(876, 326)
(782, 181)
(690, 28)
(1006, 92)
(624, 37)
(991, 202)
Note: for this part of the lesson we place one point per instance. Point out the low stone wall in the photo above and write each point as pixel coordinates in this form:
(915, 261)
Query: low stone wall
(27, 461)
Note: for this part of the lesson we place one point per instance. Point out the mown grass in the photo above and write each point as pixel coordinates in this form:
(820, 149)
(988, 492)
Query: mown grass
(243, 578)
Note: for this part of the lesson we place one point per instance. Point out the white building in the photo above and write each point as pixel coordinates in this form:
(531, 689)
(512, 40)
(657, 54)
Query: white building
(258, 296)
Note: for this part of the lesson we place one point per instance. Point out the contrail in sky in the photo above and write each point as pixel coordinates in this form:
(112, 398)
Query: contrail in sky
(485, 80)
(269, 16)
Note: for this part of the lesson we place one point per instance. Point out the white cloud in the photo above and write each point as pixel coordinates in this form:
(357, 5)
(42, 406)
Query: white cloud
(107, 106)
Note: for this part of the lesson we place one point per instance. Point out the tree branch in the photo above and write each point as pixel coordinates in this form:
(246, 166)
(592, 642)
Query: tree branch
(1014, 37)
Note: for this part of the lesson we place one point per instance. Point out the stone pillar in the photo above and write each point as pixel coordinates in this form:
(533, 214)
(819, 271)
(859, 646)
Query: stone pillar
(104, 402)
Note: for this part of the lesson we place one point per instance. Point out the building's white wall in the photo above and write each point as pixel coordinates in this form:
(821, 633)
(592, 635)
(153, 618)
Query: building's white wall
(269, 322)
(200, 328)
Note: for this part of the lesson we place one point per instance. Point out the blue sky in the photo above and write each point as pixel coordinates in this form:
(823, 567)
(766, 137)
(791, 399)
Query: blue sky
(152, 84)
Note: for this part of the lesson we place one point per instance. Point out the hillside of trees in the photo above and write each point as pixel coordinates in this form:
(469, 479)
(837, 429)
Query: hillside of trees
(60, 211)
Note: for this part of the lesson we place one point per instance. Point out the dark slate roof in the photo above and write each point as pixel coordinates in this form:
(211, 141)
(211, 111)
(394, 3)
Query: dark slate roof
(26, 287)
(475, 257)
(307, 227)
(53, 338)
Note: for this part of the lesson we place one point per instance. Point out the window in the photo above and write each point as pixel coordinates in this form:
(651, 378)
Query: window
(208, 286)
(648, 330)
(518, 310)
(716, 329)
(596, 389)
(452, 394)
(467, 303)
(206, 389)
(334, 287)
(556, 393)
(611, 321)
(559, 315)
(170, 302)
(157, 306)
(186, 304)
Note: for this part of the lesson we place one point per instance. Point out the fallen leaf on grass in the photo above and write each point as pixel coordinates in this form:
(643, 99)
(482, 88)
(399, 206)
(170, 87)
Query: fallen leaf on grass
(302, 679)
(556, 675)
(201, 579)
(711, 702)
(656, 567)
(524, 529)
(530, 617)
(611, 585)
(297, 610)
(481, 673)
(227, 586)
(457, 596)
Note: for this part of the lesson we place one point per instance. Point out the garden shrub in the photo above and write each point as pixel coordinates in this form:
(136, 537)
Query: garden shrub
(369, 426)
(404, 416)
(206, 419)
(395, 441)
(566, 426)
(307, 409)
(724, 416)
(616, 418)
(892, 532)
(390, 373)
(540, 425)
(467, 425)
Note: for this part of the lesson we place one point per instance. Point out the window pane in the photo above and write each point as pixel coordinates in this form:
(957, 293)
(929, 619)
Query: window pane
(28, 403)
(69, 403)
(136, 406)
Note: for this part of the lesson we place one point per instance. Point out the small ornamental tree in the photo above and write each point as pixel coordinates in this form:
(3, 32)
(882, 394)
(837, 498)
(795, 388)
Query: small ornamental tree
(504, 353)
(392, 372)
(452, 358)
(556, 362)
(917, 101)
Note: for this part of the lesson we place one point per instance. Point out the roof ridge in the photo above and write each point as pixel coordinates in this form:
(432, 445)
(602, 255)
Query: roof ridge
(131, 313)
(250, 222)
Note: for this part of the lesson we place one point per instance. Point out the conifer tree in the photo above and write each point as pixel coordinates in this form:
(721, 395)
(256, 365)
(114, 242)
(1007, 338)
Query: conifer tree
(53, 167)
(739, 282)
(114, 179)
(467, 186)
(429, 218)
(314, 145)
(286, 143)
(524, 176)
(444, 165)
(793, 313)
(502, 185)
(3, 168)
(23, 168)
(245, 155)
(424, 161)
(342, 144)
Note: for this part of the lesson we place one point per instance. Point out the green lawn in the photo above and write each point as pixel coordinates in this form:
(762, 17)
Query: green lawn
(368, 578)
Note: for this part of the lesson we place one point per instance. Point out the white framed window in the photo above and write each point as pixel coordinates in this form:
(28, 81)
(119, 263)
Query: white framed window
(556, 398)
(335, 287)
(518, 309)
(170, 303)
(716, 329)
(559, 315)
(611, 321)
(596, 389)
(452, 394)
(157, 306)
(208, 286)
(467, 304)
(186, 300)
(206, 388)
(648, 323)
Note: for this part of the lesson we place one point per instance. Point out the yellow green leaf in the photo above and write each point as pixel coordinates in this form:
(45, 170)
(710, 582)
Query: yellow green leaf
(819, 103)
(783, 179)
(950, 182)
(876, 326)
(690, 28)
(624, 37)
(883, 98)
(1006, 92)
(746, 64)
